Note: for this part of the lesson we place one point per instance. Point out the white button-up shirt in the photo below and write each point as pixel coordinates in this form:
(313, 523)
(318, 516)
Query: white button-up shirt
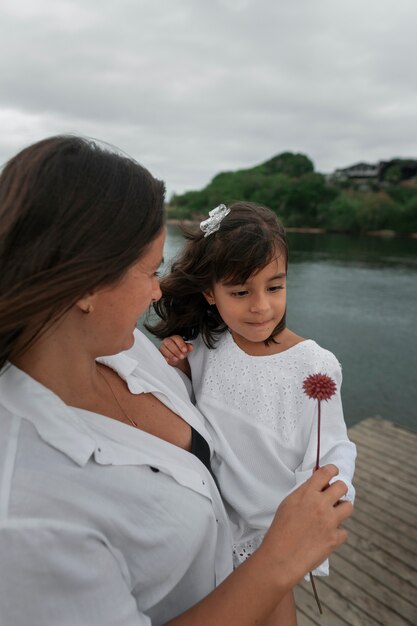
(102, 523)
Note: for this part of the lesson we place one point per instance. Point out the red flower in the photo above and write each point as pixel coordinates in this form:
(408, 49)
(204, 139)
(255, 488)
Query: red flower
(319, 387)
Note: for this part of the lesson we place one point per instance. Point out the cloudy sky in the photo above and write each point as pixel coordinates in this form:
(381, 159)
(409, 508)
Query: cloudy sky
(193, 87)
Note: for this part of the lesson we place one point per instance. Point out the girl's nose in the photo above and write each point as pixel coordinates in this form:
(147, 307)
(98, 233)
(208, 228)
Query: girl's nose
(259, 303)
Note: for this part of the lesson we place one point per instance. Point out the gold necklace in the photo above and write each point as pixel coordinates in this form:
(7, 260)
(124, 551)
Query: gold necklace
(129, 419)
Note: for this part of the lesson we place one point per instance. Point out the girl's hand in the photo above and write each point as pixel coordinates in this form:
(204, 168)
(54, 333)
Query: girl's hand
(175, 349)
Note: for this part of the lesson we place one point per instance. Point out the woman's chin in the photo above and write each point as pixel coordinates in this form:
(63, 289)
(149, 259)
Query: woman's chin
(121, 346)
(128, 343)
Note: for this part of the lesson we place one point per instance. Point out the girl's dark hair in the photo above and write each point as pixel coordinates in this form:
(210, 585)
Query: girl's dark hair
(249, 237)
(73, 217)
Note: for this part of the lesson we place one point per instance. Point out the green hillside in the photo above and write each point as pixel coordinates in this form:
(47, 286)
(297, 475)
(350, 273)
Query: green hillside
(288, 184)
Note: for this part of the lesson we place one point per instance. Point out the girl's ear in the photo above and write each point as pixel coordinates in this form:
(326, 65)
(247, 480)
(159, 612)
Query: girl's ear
(209, 297)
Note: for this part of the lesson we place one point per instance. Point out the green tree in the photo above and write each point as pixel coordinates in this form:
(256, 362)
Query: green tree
(376, 210)
(306, 196)
(406, 217)
(341, 213)
(289, 163)
(393, 174)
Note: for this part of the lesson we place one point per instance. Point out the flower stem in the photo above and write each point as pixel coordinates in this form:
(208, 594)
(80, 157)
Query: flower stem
(313, 584)
(316, 595)
(318, 436)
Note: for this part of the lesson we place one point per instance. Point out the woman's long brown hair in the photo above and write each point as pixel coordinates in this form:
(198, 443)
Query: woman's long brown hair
(73, 217)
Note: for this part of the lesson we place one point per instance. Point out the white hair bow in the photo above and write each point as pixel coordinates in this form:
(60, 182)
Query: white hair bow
(212, 223)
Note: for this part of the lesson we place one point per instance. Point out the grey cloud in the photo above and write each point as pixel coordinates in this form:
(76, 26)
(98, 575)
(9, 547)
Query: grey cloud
(194, 87)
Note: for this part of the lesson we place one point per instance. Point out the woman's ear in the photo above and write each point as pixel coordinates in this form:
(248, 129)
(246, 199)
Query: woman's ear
(209, 296)
(85, 305)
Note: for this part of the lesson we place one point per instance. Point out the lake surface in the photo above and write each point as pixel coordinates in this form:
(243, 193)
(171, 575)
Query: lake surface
(356, 296)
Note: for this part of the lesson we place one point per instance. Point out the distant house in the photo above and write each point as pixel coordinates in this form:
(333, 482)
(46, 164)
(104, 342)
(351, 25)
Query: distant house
(406, 169)
(358, 173)
(381, 173)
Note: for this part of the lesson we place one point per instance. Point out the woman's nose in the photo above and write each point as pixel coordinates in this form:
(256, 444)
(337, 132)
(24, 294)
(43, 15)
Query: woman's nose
(156, 291)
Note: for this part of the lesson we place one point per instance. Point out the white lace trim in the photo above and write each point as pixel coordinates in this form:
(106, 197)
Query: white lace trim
(242, 551)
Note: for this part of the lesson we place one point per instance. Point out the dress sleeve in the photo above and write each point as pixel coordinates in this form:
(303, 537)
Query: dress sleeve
(335, 446)
(53, 573)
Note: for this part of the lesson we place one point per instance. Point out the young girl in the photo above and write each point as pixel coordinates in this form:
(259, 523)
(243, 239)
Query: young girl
(226, 293)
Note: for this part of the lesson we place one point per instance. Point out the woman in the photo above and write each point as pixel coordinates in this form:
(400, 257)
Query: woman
(109, 513)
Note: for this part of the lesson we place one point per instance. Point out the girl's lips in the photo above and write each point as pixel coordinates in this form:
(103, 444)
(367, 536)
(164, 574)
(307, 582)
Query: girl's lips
(259, 323)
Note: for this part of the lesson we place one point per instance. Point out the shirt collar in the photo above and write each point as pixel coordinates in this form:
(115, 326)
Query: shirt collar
(62, 426)
(121, 363)
(55, 422)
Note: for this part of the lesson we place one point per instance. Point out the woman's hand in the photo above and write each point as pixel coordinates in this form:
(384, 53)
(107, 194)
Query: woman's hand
(174, 349)
(306, 527)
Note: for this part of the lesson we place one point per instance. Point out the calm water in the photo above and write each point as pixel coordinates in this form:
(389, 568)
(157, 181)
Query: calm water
(356, 296)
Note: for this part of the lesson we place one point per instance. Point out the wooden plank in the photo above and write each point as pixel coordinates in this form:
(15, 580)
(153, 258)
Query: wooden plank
(388, 514)
(391, 463)
(303, 620)
(388, 428)
(396, 445)
(389, 578)
(383, 598)
(396, 478)
(341, 599)
(405, 491)
(375, 539)
(307, 605)
(369, 447)
(386, 449)
(380, 499)
(406, 511)
(388, 529)
(375, 460)
(388, 561)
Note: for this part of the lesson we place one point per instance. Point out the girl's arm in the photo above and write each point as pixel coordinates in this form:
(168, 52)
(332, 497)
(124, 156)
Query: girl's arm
(175, 351)
(335, 446)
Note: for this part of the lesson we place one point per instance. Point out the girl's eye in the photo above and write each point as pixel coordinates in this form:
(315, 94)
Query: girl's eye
(238, 294)
(276, 288)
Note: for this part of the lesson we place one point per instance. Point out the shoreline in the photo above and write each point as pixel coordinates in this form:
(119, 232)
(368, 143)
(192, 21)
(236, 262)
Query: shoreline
(316, 231)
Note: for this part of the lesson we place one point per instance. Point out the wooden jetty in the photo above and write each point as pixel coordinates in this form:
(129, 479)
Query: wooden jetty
(373, 577)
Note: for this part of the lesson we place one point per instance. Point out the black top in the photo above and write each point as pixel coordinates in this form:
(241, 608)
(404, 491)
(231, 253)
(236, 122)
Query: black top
(201, 449)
